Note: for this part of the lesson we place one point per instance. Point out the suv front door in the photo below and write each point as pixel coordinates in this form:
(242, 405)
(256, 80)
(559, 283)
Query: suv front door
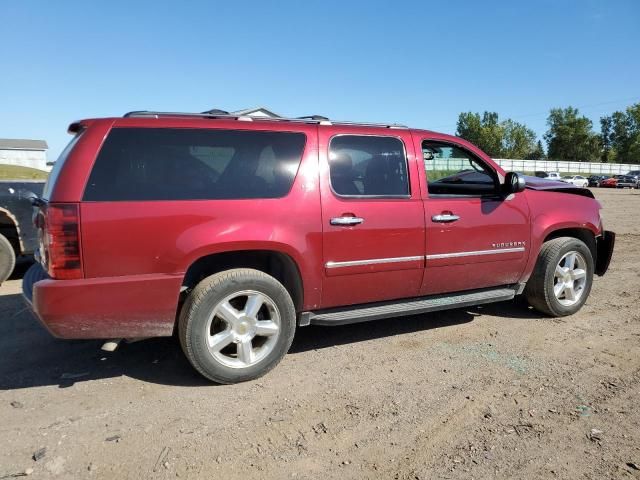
(476, 237)
(372, 216)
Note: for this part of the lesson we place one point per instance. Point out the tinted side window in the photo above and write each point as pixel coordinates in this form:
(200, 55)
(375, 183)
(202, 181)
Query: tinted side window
(368, 166)
(452, 170)
(192, 164)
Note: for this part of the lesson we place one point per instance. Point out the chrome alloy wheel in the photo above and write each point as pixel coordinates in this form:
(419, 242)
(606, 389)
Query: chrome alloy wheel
(570, 278)
(243, 329)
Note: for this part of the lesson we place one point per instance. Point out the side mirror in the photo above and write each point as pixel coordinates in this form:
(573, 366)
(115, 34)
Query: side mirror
(514, 183)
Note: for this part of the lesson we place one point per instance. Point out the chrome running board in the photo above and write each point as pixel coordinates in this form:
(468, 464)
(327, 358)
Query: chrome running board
(412, 306)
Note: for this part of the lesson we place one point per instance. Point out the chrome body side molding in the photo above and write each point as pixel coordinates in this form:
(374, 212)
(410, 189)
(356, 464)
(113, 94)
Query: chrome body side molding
(376, 261)
(373, 261)
(474, 253)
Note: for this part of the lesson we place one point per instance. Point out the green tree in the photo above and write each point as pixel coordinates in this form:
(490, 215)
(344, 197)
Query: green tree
(485, 131)
(624, 135)
(469, 127)
(606, 124)
(537, 153)
(518, 141)
(571, 137)
(506, 139)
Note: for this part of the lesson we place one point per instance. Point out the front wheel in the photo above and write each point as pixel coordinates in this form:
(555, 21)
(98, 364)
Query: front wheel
(237, 325)
(562, 278)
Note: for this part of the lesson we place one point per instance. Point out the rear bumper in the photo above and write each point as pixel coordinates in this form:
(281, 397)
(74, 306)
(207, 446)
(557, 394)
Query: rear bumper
(113, 307)
(604, 245)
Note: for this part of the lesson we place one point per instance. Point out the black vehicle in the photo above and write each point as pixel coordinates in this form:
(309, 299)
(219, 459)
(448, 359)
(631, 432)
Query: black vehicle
(626, 181)
(594, 180)
(636, 175)
(18, 237)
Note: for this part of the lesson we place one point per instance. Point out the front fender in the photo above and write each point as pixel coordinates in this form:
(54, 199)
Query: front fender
(553, 212)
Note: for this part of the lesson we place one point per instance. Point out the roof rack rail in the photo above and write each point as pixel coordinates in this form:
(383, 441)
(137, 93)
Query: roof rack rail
(216, 111)
(316, 119)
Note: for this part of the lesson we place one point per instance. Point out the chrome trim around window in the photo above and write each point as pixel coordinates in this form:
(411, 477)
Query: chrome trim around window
(474, 253)
(373, 261)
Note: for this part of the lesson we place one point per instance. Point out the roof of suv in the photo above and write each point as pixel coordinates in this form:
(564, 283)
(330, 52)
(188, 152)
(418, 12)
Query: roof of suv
(145, 118)
(314, 119)
(170, 119)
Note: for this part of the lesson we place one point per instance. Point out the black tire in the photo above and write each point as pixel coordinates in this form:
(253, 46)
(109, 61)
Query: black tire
(539, 289)
(7, 258)
(197, 310)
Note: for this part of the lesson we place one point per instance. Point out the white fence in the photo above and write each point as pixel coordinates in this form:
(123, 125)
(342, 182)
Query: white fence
(559, 166)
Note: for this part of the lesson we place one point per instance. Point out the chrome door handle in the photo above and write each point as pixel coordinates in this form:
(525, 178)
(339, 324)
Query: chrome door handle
(346, 221)
(445, 218)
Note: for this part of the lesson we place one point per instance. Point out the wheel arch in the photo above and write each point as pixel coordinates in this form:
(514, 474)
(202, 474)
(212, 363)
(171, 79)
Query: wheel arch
(276, 263)
(581, 233)
(585, 232)
(10, 228)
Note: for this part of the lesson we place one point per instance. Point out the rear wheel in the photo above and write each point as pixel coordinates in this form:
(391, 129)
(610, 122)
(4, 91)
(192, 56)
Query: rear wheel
(562, 278)
(7, 258)
(237, 325)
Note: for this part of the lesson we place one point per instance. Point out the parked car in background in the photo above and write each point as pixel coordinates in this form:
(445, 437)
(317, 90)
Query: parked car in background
(577, 180)
(594, 180)
(18, 236)
(233, 232)
(619, 181)
(548, 175)
(636, 175)
(626, 181)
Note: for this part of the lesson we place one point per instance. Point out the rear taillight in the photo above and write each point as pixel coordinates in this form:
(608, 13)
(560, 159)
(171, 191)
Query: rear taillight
(61, 241)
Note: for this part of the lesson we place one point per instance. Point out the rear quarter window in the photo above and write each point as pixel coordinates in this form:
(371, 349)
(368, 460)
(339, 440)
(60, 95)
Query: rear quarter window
(194, 164)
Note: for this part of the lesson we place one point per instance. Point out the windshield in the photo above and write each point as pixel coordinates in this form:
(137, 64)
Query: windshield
(57, 166)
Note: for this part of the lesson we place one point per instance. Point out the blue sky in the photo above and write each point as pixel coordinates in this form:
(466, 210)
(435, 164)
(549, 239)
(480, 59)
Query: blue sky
(420, 63)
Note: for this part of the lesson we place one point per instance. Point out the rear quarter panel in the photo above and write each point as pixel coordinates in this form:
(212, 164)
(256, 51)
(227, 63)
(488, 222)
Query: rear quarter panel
(166, 237)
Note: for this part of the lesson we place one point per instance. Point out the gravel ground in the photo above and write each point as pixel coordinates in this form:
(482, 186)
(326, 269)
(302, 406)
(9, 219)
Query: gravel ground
(490, 392)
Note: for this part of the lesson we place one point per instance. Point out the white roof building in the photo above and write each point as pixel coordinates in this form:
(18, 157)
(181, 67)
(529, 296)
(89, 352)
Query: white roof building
(23, 152)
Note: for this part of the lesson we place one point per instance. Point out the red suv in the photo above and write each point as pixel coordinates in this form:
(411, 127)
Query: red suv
(234, 231)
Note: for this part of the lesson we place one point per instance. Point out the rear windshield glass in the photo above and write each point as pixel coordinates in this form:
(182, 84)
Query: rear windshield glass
(192, 164)
(57, 166)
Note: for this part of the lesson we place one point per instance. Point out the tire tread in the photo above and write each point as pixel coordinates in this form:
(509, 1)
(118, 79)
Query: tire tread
(195, 299)
(7, 258)
(536, 292)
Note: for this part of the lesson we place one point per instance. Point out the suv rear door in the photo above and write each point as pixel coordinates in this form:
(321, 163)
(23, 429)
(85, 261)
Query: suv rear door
(372, 215)
(475, 236)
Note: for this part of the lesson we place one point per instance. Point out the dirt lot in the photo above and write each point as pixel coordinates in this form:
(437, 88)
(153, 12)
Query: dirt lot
(493, 392)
